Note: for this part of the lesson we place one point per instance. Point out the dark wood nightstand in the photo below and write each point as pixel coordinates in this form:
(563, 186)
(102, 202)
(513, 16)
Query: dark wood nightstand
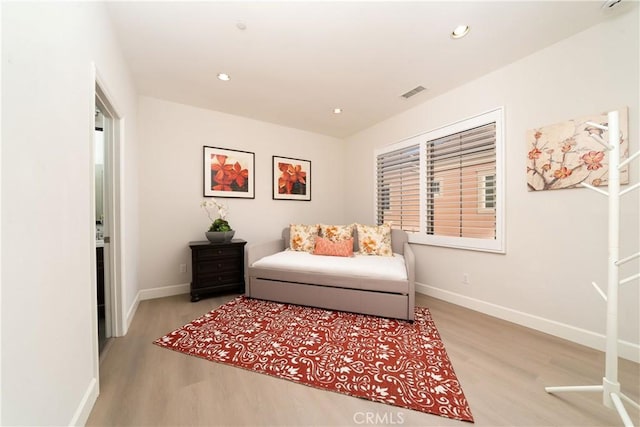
(216, 268)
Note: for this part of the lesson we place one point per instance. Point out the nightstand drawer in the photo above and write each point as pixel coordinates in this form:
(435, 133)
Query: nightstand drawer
(217, 265)
(210, 280)
(220, 251)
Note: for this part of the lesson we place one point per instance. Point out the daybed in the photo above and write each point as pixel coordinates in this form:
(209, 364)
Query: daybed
(376, 285)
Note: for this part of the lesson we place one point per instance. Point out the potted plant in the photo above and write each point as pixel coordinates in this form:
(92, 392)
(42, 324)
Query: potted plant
(220, 230)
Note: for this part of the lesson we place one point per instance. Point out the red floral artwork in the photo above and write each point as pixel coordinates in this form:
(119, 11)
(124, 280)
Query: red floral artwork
(384, 360)
(226, 176)
(292, 180)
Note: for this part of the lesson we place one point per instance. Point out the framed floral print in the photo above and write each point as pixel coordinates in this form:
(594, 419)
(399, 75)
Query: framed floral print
(566, 154)
(228, 173)
(291, 179)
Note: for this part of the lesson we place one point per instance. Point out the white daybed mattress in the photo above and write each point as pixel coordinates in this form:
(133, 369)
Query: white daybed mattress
(366, 266)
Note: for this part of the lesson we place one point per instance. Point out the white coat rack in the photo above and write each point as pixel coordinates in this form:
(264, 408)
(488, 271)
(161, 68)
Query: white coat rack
(612, 397)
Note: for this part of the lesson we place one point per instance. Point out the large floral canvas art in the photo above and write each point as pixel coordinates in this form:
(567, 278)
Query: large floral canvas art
(228, 173)
(564, 155)
(291, 179)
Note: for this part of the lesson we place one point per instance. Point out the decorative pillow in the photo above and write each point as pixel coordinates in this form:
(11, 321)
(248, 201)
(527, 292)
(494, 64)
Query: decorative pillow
(303, 237)
(375, 239)
(327, 247)
(336, 233)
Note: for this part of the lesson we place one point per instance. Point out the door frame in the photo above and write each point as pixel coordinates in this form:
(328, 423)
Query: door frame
(113, 203)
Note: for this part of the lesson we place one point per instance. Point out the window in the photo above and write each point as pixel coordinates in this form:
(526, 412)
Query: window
(436, 187)
(444, 187)
(486, 192)
(398, 187)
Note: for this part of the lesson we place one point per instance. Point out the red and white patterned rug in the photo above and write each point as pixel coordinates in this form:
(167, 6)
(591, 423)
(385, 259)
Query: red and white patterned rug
(384, 360)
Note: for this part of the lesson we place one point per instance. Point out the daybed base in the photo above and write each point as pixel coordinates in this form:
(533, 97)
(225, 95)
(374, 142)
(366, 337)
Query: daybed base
(354, 300)
(364, 295)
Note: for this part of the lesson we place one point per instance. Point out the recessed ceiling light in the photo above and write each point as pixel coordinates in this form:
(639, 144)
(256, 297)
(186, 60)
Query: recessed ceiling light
(224, 77)
(337, 110)
(460, 31)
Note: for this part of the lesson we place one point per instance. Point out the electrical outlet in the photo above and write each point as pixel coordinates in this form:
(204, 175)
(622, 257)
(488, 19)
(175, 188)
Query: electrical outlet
(183, 268)
(465, 279)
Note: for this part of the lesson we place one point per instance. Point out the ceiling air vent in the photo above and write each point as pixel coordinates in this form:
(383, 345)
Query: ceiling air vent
(412, 92)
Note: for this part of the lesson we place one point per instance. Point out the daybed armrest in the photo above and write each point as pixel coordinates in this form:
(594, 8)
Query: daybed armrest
(256, 251)
(410, 263)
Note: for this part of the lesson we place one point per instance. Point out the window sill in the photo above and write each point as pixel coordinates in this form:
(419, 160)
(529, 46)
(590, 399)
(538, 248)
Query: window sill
(464, 243)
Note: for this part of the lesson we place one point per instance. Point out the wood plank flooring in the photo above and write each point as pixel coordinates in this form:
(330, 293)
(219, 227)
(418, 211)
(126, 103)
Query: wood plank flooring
(503, 369)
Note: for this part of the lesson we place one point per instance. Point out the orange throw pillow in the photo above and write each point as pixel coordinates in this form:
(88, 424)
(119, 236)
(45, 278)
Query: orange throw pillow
(327, 247)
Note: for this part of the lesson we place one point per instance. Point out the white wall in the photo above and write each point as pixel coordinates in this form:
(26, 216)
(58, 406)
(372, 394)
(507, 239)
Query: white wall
(48, 304)
(172, 137)
(556, 240)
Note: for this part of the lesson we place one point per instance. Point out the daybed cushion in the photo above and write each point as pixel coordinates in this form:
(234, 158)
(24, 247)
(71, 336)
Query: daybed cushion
(373, 273)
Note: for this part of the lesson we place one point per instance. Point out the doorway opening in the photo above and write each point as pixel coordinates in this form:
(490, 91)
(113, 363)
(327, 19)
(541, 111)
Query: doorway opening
(108, 126)
(102, 285)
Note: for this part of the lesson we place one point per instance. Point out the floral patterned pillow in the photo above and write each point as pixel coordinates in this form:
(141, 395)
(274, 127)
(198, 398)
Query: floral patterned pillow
(336, 233)
(303, 237)
(375, 239)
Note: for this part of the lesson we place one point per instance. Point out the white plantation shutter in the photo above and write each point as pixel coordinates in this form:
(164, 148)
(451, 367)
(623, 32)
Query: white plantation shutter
(445, 187)
(398, 188)
(463, 202)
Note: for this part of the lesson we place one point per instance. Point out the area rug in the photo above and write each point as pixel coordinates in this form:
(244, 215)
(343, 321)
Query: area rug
(384, 360)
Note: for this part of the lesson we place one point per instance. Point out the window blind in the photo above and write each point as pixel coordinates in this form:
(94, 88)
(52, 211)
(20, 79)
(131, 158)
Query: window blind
(398, 188)
(462, 203)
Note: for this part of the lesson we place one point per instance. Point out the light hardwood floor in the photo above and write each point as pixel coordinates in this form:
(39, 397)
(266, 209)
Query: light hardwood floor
(503, 369)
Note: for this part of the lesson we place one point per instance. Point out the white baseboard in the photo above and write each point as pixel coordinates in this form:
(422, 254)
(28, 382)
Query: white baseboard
(81, 415)
(165, 291)
(627, 350)
(145, 294)
(131, 313)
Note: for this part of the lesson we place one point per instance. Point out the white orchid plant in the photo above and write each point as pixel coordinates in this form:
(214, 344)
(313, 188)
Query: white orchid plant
(221, 210)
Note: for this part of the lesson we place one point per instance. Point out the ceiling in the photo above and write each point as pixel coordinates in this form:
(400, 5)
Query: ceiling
(296, 61)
